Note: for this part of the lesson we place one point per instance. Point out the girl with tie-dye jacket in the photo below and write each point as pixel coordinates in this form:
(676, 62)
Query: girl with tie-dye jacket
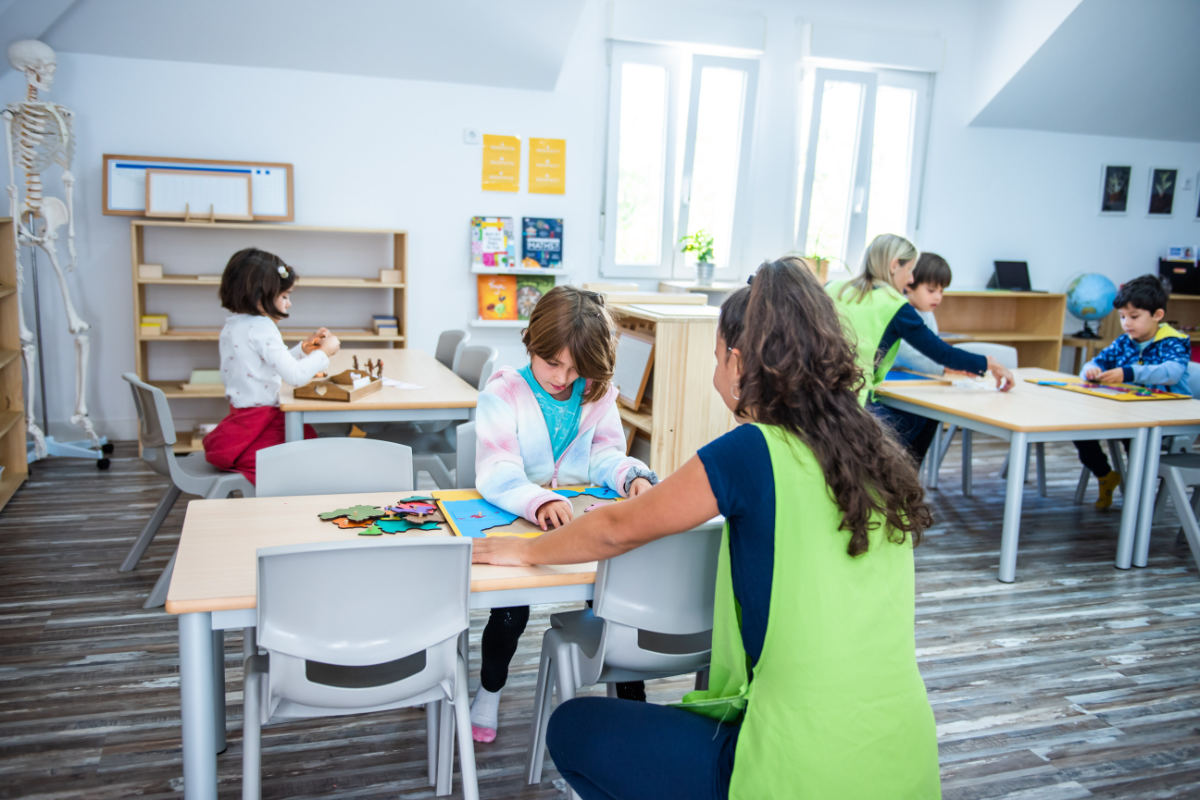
(552, 423)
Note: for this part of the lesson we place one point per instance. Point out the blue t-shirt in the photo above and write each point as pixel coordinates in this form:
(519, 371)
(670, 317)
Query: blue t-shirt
(561, 416)
(739, 471)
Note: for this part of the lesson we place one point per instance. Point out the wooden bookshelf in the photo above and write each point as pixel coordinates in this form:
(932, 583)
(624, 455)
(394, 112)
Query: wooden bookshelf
(12, 385)
(1032, 322)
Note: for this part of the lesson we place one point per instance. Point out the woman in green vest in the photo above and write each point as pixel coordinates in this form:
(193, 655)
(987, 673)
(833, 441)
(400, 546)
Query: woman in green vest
(877, 316)
(814, 690)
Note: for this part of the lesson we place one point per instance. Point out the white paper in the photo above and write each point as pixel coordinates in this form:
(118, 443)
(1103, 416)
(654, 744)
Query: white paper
(395, 384)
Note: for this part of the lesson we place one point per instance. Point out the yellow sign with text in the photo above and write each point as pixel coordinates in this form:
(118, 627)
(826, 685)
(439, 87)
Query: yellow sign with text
(501, 163)
(547, 166)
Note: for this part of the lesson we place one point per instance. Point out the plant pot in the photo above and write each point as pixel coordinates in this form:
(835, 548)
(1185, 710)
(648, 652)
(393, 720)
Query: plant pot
(704, 273)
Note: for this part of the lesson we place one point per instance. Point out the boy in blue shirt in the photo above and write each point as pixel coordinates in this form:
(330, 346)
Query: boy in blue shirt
(1149, 352)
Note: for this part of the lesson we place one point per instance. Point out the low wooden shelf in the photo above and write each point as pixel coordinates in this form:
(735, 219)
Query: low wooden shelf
(12, 385)
(1032, 322)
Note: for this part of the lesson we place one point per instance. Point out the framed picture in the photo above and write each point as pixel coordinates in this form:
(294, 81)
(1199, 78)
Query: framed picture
(1162, 191)
(1114, 190)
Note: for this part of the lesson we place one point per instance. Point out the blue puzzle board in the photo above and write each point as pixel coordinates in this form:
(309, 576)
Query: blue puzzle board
(473, 518)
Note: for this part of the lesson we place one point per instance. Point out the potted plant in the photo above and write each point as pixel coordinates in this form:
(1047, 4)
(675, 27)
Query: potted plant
(701, 243)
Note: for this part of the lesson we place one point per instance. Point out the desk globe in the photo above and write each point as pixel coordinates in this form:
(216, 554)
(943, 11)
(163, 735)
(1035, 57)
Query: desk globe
(1090, 297)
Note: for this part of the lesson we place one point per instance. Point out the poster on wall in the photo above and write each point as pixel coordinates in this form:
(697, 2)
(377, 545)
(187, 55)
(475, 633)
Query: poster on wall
(547, 166)
(501, 163)
(1162, 191)
(1114, 190)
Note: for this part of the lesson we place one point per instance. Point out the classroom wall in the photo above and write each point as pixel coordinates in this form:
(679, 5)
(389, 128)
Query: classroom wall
(373, 152)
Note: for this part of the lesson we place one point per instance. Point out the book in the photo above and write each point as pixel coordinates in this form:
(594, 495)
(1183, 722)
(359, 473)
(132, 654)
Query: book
(493, 245)
(530, 289)
(541, 242)
(497, 296)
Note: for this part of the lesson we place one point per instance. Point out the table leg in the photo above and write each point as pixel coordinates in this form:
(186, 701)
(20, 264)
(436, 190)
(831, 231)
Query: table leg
(196, 706)
(1141, 538)
(293, 426)
(968, 467)
(218, 698)
(1018, 446)
(1136, 465)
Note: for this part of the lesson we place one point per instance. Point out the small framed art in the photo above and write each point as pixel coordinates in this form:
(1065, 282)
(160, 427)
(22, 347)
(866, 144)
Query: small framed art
(1114, 190)
(1162, 191)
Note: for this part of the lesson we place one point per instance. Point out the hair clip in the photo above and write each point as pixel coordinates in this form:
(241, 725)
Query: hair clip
(283, 271)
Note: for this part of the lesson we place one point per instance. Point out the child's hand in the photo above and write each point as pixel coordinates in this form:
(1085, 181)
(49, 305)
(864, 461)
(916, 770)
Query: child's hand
(638, 486)
(1004, 377)
(506, 551)
(330, 344)
(1116, 375)
(554, 514)
(314, 341)
(1092, 373)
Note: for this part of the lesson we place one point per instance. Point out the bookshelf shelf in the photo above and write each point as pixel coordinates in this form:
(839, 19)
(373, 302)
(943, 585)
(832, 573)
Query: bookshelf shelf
(499, 323)
(314, 282)
(1032, 322)
(12, 387)
(476, 270)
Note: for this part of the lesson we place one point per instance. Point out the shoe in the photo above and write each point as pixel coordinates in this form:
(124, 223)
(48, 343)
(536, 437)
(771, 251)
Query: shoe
(1108, 485)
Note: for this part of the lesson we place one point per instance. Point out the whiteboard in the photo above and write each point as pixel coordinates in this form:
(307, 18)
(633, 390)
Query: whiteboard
(125, 183)
(181, 193)
(635, 357)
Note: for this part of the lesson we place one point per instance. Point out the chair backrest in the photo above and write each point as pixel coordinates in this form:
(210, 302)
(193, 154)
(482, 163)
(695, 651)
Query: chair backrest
(449, 345)
(332, 466)
(464, 445)
(1193, 378)
(349, 623)
(1005, 354)
(476, 363)
(156, 427)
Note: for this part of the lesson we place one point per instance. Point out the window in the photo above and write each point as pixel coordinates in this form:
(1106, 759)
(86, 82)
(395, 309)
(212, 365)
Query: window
(860, 171)
(678, 149)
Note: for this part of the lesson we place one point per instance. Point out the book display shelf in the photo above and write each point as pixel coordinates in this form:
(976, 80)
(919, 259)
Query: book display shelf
(507, 287)
(13, 460)
(347, 277)
(1032, 322)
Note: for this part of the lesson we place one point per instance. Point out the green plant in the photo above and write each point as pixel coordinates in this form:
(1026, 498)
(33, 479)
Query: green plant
(700, 243)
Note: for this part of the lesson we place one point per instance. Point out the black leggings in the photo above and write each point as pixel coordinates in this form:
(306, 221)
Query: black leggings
(1091, 455)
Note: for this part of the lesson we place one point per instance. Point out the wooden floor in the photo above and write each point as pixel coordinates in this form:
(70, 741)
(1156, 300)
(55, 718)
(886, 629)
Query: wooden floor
(1079, 680)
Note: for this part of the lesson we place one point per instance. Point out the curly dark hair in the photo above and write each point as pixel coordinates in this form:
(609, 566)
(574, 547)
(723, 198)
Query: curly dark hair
(799, 372)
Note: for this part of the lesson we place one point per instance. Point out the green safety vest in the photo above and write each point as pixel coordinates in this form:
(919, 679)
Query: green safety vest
(864, 323)
(836, 709)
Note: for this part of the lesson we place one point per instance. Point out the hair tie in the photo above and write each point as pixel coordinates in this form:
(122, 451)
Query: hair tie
(283, 271)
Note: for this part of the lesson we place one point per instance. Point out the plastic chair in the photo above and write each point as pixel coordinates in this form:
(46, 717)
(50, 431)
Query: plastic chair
(432, 452)
(353, 627)
(450, 345)
(476, 364)
(646, 623)
(332, 466)
(464, 456)
(190, 473)
(1177, 472)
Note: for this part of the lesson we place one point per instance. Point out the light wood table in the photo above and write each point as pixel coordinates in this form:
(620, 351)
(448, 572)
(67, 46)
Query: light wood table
(214, 588)
(1030, 414)
(442, 396)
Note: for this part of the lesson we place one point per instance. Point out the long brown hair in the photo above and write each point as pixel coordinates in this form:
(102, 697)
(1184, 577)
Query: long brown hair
(252, 280)
(799, 372)
(579, 321)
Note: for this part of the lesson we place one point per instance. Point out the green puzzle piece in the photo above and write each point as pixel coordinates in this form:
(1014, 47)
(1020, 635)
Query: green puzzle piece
(354, 513)
(402, 525)
(370, 530)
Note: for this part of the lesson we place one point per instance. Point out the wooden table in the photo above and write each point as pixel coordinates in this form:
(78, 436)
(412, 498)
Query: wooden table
(1029, 414)
(214, 588)
(442, 396)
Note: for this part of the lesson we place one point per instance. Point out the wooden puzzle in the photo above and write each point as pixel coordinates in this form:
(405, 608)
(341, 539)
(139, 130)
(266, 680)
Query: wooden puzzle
(409, 514)
(1111, 391)
(470, 516)
(345, 386)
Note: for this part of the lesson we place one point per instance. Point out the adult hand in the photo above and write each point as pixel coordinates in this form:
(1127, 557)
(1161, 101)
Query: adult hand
(330, 344)
(638, 486)
(1004, 377)
(506, 551)
(554, 514)
(1115, 375)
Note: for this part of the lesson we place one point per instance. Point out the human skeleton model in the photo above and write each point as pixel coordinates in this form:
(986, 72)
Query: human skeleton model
(38, 135)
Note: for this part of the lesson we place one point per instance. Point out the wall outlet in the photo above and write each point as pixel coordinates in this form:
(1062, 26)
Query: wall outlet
(1187, 184)
(471, 136)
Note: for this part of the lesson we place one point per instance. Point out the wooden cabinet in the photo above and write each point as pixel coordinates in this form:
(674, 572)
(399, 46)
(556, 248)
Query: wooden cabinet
(680, 411)
(1032, 322)
(346, 277)
(12, 386)
(1183, 312)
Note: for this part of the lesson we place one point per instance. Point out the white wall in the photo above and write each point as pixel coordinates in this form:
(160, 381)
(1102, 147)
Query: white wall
(989, 193)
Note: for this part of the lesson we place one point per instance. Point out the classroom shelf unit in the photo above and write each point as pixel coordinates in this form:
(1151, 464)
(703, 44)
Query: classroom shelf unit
(1032, 322)
(680, 412)
(1183, 312)
(12, 385)
(345, 275)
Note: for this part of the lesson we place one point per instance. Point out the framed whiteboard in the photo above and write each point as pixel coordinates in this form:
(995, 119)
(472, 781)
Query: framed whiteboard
(125, 183)
(185, 194)
(635, 358)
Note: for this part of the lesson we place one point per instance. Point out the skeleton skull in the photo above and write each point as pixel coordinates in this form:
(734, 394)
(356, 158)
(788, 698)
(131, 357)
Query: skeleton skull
(36, 60)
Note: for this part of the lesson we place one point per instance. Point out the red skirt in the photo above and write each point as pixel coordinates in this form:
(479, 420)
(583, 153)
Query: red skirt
(234, 444)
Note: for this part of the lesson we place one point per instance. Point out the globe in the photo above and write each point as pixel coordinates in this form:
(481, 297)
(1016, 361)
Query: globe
(1090, 297)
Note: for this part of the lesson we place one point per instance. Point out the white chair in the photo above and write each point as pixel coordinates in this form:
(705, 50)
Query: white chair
(1177, 472)
(464, 456)
(353, 627)
(334, 465)
(646, 623)
(433, 452)
(450, 345)
(476, 364)
(190, 473)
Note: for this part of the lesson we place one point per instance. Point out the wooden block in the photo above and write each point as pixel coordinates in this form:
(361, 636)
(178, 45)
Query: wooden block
(150, 271)
(389, 276)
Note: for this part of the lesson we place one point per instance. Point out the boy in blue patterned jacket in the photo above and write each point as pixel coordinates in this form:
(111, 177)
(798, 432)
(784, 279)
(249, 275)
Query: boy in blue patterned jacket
(1149, 352)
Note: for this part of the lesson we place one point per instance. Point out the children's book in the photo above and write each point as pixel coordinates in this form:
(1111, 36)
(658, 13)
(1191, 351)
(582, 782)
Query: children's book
(530, 289)
(541, 242)
(470, 516)
(493, 245)
(497, 296)
(1111, 391)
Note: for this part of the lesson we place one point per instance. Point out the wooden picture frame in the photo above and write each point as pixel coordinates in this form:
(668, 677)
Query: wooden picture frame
(1114, 189)
(212, 196)
(1161, 200)
(124, 179)
(631, 373)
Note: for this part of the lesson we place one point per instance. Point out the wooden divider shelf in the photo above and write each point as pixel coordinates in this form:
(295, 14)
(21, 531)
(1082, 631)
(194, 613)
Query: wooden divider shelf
(12, 385)
(1032, 322)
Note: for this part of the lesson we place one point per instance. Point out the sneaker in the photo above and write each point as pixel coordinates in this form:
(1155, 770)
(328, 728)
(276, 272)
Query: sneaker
(1108, 485)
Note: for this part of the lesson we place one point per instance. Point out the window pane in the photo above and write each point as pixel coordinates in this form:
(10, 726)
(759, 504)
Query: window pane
(891, 161)
(715, 163)
(833, 170)
(641, 158)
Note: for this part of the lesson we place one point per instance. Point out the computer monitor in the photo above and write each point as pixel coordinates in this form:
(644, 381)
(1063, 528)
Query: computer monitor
(1011, 275)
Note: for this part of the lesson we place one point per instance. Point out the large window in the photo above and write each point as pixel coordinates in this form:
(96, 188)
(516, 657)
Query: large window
(678, 149)
(861, 167)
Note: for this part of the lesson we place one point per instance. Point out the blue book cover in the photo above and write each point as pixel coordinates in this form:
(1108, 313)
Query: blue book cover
(541, 239)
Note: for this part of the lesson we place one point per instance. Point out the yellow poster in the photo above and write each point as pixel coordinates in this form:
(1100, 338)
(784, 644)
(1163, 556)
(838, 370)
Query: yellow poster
(501, 163)
(547, 166)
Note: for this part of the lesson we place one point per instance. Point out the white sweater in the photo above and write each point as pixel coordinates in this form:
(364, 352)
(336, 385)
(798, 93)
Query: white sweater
(254, 361)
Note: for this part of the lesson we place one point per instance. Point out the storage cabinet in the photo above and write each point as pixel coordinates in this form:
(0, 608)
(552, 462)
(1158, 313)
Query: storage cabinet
(12, 386)
(345, 277)
(1032, 322)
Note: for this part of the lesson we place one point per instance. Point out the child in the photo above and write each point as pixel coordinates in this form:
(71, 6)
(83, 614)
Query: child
(814, 690)
(1149, 352)
(552, 423)
(257, 287)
